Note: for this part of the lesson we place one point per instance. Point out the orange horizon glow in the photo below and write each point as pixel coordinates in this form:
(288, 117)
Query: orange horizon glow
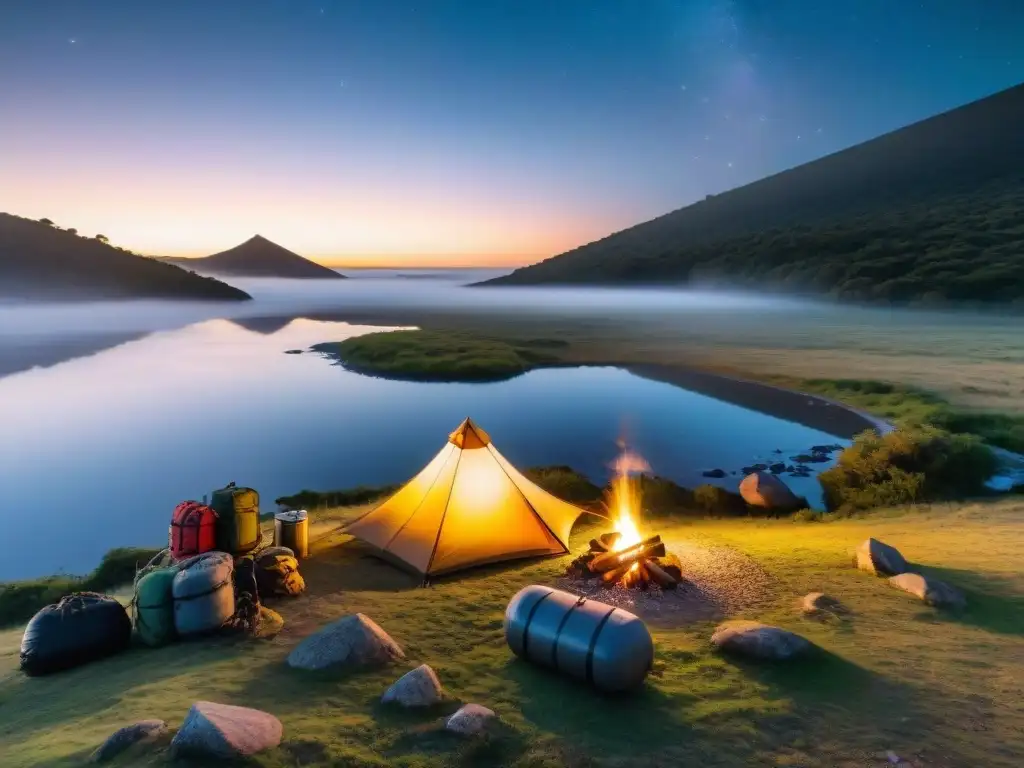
(326, 223)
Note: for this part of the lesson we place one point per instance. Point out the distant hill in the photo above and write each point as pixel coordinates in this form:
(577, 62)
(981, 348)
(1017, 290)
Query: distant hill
(41, 261)
(259, 257)
(930, 212)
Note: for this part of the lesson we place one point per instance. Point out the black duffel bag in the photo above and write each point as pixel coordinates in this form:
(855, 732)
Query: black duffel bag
(80, 628)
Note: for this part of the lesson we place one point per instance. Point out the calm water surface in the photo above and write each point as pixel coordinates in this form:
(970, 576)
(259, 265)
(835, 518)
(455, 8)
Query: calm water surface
(96, 451)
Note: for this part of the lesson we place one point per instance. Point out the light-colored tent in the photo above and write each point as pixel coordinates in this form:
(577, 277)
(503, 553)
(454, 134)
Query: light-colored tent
(468, 506)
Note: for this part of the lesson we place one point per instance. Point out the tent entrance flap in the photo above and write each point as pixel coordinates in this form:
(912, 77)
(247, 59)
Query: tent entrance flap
(467, 507)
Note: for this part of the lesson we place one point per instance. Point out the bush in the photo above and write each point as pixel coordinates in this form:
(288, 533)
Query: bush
(807, 515)
(346, 497)
(565, 483)
(716, 501)
(906, 466)
(19, 600)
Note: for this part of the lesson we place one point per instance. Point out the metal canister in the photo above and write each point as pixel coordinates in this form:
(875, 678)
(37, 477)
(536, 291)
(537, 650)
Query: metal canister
(604, 645)
(291, 529)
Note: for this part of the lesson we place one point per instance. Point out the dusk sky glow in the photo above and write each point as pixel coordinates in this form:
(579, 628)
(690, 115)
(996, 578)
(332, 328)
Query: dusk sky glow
(453, 132)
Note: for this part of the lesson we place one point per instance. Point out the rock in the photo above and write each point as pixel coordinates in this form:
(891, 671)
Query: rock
(760, 641)
(470, 720)
(351, 641)
(714, 473)
(754, 468)
(225, 731)
(763, 490)
(418, 688)
(933, 592)
(818, 603)
(293, 351)
(777, 468)
(825, 448)
(142, 732)
(875, 557)
(809, 458)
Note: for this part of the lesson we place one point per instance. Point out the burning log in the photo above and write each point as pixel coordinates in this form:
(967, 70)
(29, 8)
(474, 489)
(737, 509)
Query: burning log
(659, 576)
(614, 576)
(597, 546)
(608, 561)
(609, 540)
(670, 564)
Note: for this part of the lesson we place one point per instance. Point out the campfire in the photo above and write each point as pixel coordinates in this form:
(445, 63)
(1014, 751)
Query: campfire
(624, 556)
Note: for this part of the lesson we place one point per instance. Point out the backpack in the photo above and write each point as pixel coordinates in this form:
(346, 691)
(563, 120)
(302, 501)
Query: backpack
(193, 530)
(238, 519)
(277, 573)
(247, 598)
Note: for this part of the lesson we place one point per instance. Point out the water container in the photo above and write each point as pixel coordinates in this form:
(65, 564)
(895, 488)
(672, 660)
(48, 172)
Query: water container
(291, 529)
(589, 640)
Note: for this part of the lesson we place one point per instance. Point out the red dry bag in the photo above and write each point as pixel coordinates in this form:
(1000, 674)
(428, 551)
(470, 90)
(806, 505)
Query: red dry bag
(193, 530)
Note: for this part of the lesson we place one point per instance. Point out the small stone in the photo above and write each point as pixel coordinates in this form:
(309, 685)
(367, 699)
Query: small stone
(777, 468)
(875, 557)
(933, 592)
(225, 731)
(470, 720)
(818, 603)
(760, 641)
(351, 641)
(717, 473)
(142, 732)
(418, 688)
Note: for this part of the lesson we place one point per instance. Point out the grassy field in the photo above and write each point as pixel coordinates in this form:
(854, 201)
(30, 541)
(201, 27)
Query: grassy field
(936, 689)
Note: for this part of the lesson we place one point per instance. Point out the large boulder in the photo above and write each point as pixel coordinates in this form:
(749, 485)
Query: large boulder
(418, 688)
(759, 641)
(880, 559)
(142, 732)
(470, 720)
(762, 489)
(351, 641)
(933, 592)
(224, 731)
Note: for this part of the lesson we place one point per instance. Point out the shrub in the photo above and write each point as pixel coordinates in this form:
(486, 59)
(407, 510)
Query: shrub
(905, 466)
(345, 497)
(565, 483)
(19, 600)
(713, 500)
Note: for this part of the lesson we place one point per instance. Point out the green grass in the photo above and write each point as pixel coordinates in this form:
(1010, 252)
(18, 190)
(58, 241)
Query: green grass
(935, 688)
(917, 407)
(19, 600)
(432, 356)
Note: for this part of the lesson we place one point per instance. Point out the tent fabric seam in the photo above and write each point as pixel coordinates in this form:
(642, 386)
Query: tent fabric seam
(444, 514)
(565, 545)
(416, 509)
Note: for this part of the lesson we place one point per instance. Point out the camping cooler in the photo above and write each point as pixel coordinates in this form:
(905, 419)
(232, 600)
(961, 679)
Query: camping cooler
(291, 529)
(604, 645)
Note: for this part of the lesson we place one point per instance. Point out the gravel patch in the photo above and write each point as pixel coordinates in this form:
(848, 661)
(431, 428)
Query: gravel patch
(717, 582)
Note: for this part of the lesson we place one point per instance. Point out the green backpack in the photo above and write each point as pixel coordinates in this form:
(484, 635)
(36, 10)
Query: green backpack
(238, 519)
(153, 604)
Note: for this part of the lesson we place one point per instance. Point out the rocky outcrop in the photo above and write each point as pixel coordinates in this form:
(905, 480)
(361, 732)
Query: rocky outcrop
(470, 720)
(760, 641)
(880, 559)
(142, 732)
(352, 641)
(418, 688)
(224, 731)
(932, 592)
(761, 489)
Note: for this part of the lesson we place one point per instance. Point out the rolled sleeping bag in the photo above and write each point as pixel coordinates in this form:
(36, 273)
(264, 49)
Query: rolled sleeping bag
(81, 628)
(204, 595)
(154, 606)
(589, 640)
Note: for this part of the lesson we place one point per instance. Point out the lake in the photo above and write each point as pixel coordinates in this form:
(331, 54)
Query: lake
(96, 451)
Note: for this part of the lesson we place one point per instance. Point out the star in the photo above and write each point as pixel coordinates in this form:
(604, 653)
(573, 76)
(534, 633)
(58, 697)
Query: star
(729, 165)
(71, 40)
(682, 87)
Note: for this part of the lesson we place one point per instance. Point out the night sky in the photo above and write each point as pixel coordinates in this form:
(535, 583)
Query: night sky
(453, 131)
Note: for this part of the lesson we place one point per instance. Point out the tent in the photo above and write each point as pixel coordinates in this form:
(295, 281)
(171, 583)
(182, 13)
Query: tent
(468, 506)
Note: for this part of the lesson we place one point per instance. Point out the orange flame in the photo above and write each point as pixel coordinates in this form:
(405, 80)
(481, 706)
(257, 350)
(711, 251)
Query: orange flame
(624, 498)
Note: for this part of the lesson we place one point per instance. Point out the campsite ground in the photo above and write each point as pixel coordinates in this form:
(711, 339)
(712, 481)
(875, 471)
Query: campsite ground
(936, 689)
